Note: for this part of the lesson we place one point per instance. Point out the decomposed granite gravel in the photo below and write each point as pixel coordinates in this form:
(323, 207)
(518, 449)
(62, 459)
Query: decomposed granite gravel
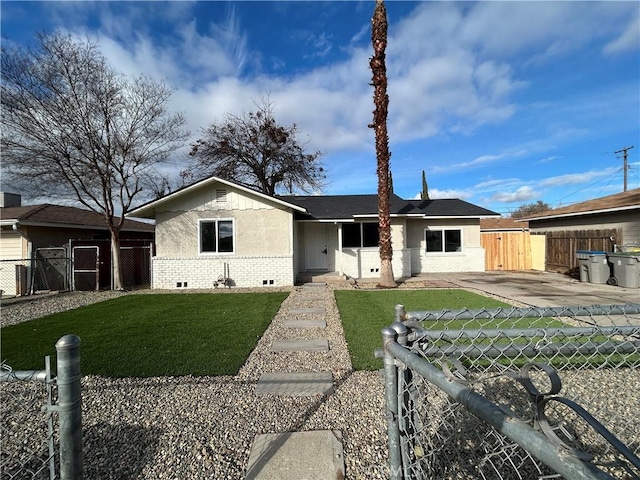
(203, 427)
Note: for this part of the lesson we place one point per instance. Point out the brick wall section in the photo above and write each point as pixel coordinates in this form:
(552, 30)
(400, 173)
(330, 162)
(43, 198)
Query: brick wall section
(203, 272)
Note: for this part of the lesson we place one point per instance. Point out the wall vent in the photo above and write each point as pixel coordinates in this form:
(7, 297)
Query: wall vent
(221, 196)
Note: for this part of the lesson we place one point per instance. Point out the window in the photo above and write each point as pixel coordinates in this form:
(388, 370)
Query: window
(357, 235)
(216, 236)
(444, 240)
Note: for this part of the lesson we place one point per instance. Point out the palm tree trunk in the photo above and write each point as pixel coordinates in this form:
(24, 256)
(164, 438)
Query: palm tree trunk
(381, 102)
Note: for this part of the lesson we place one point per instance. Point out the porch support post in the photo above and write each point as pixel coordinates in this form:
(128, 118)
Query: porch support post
(340, 249)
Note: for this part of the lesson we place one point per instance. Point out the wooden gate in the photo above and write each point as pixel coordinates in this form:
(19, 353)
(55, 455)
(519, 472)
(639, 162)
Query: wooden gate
(562, 246)
(506, 250)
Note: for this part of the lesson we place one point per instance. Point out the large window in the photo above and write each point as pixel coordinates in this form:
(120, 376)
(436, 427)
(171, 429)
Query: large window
(357, 235)
(216, 236)
(443, 240)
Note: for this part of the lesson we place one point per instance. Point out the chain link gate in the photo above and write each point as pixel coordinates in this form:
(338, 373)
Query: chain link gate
(85, 262)
(521, 393)
(50, 269)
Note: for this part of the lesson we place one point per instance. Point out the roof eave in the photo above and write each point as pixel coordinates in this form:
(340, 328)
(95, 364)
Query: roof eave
(452, 217)
(28, 223)
(577, 214)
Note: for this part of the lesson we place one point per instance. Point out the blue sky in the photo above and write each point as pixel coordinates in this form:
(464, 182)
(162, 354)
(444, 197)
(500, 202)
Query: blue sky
(501, 103)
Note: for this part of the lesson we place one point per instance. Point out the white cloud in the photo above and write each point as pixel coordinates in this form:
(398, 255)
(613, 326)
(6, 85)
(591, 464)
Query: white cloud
(452, 75)
(628, 40)
(522, 194)
(451, 193)
(578, 178)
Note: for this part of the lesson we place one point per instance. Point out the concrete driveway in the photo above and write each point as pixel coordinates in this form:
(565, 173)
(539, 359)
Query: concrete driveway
(542, 289)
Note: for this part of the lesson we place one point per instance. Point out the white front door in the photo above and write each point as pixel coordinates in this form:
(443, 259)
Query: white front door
(315, 246)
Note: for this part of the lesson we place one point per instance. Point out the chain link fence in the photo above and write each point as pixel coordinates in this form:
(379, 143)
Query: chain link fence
(41, 418)
(521, 393)
(26, 424)
(53, 269)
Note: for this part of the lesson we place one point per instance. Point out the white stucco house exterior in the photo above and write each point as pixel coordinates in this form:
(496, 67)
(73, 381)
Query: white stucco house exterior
(216, 228)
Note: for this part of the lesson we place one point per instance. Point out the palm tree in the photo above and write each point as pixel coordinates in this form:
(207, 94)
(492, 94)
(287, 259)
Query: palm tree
(381, 102)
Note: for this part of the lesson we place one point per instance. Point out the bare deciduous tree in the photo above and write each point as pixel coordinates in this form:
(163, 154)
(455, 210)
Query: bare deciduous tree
(381, 101)
(528, 209)
(73, 128)
(252, 149)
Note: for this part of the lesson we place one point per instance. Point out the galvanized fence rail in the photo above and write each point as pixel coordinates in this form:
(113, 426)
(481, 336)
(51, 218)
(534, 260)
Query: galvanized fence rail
(36, 443)
(518, 393)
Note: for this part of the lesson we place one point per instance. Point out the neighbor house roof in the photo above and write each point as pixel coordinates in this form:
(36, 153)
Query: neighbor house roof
(47, 215)
(628, 200)
(502, 224)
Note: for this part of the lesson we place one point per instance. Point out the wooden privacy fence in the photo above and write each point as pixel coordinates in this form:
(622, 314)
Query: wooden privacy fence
(520, 250)
(562, 246)
(507, 250)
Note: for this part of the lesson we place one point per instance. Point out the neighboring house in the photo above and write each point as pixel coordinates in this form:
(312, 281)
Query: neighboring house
(604, 224)
(216, 229)
(53, 231)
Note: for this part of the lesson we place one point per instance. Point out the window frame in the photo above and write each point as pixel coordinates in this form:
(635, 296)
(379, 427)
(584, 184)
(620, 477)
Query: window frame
(216, 222)
(443, 240)
(361, 234)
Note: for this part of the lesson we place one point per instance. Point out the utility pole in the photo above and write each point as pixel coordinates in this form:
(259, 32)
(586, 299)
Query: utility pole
(626, 165)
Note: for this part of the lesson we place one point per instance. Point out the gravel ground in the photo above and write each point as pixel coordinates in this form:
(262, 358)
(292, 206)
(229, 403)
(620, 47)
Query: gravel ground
(203, 427)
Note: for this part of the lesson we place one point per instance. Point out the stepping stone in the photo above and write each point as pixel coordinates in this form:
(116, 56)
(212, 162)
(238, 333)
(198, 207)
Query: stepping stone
(314, 455)
(295, 384)
(316, 345)
(305, 324)
(311, 310)
(312, 285)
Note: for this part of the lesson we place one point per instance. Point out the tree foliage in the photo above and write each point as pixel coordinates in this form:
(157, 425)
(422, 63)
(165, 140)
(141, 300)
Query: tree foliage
(73, 128)
(528, 209)
(381, 101)
(424, 194)
(254, 150)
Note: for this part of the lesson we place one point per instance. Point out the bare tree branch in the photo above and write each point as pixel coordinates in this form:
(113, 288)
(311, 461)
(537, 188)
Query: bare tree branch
(83, 130)
(253, 150)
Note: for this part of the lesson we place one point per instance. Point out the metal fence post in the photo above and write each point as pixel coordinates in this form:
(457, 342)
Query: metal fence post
(69, 407)
(391, 397)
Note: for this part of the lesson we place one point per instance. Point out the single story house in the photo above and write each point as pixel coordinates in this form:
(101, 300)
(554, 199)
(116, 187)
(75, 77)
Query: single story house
(27, 230)
(607, 224)
(216, 230)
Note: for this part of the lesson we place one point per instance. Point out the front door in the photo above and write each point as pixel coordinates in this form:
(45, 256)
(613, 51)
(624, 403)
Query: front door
(315, 246)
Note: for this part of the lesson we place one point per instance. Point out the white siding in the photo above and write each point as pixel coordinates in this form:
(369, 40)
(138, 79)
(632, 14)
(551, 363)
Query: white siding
(10, 249)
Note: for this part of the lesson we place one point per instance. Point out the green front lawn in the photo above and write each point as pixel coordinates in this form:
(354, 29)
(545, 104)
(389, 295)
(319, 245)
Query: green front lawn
(150, 335)
(365, 313)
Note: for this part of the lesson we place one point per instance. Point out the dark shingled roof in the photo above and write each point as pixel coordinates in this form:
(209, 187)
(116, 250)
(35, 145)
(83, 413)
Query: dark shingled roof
(336, 207)
(47, 214)
(450, 207)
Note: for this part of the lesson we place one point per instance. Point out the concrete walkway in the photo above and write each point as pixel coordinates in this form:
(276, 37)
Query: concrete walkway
(312, 455)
